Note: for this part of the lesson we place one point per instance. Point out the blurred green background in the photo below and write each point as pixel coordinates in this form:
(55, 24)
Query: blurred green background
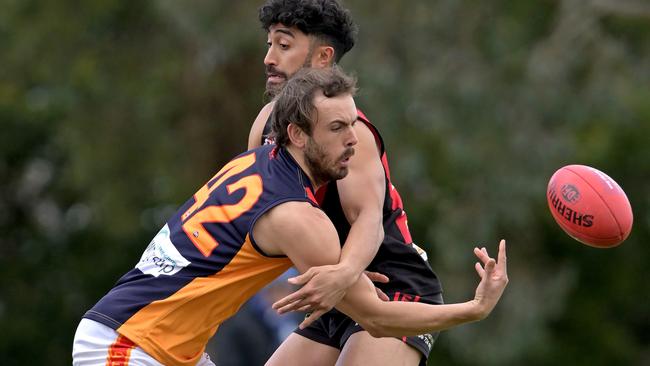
(113, 112)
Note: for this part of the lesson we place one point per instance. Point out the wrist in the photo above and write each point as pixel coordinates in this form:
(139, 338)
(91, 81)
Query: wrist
(478, 310)
(349, 272)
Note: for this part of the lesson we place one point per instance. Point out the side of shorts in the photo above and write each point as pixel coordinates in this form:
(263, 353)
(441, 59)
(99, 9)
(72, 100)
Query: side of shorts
(423, 343)
(95, 344)
(319, 330)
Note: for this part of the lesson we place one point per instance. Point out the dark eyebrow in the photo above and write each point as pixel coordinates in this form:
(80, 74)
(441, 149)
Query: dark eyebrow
(285, 31)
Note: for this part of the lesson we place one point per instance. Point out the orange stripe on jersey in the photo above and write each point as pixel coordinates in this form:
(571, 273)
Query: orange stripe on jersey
(176, 330)
(119, 352)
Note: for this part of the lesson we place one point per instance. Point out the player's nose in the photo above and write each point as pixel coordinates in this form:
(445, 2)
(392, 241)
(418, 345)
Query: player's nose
(270, 58)
(351, 137)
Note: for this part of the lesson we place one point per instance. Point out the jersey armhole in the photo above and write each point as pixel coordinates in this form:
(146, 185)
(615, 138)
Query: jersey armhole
(378, 139)
(262, 212)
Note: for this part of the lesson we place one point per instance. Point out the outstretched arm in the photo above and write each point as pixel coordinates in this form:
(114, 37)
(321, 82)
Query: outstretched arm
(396, 318)
(309, 239)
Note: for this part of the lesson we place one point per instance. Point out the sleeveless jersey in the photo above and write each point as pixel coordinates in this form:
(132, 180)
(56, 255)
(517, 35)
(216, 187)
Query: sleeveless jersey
(396, 257)
(204, 263)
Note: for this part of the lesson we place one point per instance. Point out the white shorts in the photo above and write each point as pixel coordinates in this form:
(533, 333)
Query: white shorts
(98, 345)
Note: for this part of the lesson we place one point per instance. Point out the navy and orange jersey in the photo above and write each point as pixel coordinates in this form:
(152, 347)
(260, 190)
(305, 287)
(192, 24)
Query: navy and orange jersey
(204, 263)
(396, 257)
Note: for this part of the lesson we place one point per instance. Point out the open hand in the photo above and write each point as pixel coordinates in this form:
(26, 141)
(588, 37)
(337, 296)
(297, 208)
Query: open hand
(494, 278)
(322, 288)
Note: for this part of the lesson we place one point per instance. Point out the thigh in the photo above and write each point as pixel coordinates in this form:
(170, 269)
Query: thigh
(298, 350)
(363, 349)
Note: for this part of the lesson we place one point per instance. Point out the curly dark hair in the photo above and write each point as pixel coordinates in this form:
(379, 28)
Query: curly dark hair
(295, 103)
(325, 19)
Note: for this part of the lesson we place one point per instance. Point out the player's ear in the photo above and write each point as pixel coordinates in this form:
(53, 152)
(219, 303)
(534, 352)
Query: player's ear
(297, 136)
(324, 56)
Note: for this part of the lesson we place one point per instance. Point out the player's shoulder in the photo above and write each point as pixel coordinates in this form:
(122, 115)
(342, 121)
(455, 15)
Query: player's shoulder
(289, 222)
(296, 214)
(265, 112)
(257, 129)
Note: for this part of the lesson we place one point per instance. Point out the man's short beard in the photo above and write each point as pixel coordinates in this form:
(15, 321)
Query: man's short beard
(272, 90)
(317, 162)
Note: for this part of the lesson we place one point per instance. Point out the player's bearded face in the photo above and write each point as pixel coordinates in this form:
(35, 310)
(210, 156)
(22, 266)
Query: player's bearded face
(274, 87)
(325, 168)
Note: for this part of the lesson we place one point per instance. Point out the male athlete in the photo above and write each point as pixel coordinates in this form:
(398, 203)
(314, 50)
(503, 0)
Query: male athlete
(254, 219)
(365, 208)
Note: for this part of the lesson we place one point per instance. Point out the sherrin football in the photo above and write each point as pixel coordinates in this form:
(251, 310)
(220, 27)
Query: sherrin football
(589, 206)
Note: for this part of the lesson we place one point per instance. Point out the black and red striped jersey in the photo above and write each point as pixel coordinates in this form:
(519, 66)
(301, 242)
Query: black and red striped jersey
(396, 257)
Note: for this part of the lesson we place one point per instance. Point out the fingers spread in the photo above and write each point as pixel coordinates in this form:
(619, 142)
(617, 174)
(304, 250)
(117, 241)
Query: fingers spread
(290, 299)
(503, 260)
(303, 278)
(297, 305)
(489, 266)
(480, 254)
(381, 294)
(479, 269)
(306, 308)
(377, 277)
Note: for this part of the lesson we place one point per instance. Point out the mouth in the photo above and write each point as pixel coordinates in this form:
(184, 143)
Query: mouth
(345, 159)
(274, 76)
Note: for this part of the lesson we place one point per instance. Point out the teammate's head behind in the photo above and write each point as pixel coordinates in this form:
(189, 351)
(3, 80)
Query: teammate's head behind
(326, 20)
(315, 113)
(303, 33)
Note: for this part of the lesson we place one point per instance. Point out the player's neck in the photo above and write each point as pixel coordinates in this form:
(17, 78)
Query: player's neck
(299, 157)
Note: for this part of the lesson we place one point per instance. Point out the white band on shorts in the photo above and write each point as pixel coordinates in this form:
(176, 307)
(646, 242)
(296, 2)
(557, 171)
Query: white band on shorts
(98, 345)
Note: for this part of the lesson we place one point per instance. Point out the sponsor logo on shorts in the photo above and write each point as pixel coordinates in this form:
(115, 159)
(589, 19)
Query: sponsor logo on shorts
(428, 340)
(161, 256)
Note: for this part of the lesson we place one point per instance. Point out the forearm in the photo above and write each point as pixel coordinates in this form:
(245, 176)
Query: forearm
(398, 318)
(362, 243)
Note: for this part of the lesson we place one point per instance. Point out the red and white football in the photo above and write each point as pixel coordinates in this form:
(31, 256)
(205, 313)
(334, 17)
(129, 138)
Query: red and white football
(589, 206)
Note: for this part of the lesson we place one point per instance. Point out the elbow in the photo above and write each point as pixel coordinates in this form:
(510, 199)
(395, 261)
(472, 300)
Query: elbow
(376, 328)
(373, 329)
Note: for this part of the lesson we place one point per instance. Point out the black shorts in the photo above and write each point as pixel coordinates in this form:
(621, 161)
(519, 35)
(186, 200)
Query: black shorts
(410, 279)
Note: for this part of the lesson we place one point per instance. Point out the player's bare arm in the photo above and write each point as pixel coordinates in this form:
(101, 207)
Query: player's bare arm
(257, 129)
(396, 318)
(309, 239)
(362, 197)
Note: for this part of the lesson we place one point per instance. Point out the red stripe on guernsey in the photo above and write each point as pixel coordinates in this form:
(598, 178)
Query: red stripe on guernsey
(401, 221)
(320, 194)
(119, 352)
(310, 195)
